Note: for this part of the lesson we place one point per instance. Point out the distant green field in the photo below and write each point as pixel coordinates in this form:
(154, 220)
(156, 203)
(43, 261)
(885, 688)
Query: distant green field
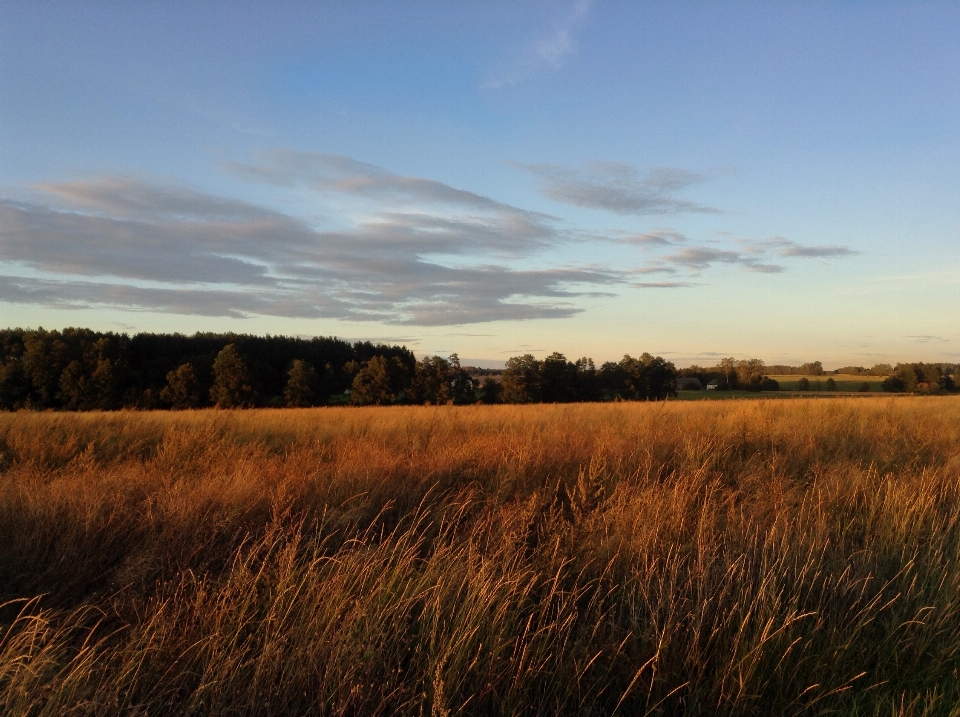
(845, 382)
(789, 385)
(781, 394)
(727, 395)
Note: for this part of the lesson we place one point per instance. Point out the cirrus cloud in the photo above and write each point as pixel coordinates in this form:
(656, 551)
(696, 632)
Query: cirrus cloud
(548, 52)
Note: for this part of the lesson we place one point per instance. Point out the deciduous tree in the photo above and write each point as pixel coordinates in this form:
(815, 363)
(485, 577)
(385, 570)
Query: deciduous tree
(814, 368)
(558, 379)
(379, 382)
(521, 380)
(301, 385)
(750, 374)
(491, 391)
(182, 389)
(232, 381)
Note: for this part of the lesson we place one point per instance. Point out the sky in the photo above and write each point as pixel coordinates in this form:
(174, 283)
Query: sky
(695, 180)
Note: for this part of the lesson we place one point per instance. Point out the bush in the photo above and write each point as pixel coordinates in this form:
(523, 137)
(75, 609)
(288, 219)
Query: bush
(865, 387)
(893, 384)
(769, 384)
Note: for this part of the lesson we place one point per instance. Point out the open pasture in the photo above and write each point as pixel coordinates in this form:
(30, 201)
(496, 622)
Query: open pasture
(732, 558)
(845, 382)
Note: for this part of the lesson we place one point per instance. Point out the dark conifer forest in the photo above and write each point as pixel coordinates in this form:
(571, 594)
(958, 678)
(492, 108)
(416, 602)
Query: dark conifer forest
(81, 369)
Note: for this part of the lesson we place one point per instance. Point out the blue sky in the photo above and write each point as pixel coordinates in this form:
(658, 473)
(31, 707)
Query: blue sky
(697, 180)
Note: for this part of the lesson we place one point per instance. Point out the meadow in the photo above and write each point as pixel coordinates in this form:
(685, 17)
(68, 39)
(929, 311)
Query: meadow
(790, 388)
(695, 558)
(845, 382)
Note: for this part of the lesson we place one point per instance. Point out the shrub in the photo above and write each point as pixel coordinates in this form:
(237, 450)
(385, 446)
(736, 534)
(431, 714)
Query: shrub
(893, 384)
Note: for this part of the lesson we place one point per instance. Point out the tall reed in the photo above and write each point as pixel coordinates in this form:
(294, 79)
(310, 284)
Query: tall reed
(761, 557)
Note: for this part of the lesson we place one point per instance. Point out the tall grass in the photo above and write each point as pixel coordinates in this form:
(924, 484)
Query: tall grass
(762, 557)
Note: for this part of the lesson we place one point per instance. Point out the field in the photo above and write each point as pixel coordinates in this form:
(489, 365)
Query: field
(845, 382)
(696, 558)
(789, 388)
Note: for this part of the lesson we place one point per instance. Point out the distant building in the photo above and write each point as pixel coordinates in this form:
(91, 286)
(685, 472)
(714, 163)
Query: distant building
(713, 385)
(689, 383)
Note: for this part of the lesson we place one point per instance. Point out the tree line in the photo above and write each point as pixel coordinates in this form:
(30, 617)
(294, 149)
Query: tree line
(733, 374)
(923, 378)
(524, 379)
(81, 369)
(754, 375)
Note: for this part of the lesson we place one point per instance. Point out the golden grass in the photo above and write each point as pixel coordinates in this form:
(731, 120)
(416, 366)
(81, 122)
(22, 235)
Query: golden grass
(740, 557)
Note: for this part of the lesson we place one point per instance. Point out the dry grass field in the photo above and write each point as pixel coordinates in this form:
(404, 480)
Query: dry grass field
(706, 558)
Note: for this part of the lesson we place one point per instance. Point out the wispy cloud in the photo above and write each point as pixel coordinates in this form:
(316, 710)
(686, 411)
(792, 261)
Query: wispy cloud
(928, 338)
(410, 250)
(817, 251)
(658, 237)
(749, 254)
(785, 248)
(122, 242)
(765, 268)
(424, 214)
(547, 52)
(700, 257)
(654, 269)
(619, 188)
(334, 172)
(664, 284)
